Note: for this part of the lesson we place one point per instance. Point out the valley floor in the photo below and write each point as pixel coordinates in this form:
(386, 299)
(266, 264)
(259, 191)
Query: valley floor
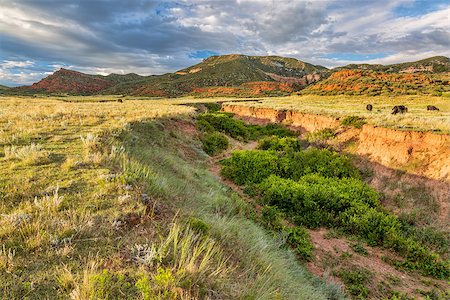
(118, 200)
(114, 200)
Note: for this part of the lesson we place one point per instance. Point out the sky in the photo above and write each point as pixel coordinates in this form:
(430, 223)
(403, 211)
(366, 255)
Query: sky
(147, 37)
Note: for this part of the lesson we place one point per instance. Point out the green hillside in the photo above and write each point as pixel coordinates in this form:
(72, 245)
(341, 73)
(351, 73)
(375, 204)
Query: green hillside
(436, 64)
(225, 71)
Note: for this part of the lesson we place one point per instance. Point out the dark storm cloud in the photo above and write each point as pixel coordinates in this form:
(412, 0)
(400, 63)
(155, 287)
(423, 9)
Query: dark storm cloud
(149, 37)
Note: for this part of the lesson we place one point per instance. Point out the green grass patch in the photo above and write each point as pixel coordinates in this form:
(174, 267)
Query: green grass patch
(354, 121)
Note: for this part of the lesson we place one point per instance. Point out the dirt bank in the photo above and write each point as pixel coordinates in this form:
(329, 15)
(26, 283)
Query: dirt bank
(420, 153)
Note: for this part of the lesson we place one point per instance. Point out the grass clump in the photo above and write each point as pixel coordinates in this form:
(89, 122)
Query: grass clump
(214, 143)
(30, 154)
(354, 121)
(320, 135)
(296, 237)
(356, 281)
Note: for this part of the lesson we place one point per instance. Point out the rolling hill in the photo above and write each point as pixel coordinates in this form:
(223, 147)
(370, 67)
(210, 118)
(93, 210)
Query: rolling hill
(243, 74)
(247, 76)
(374, 83)
(436, 64)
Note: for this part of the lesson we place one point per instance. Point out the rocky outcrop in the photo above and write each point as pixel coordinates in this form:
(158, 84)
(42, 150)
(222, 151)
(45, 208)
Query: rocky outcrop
(421, 153)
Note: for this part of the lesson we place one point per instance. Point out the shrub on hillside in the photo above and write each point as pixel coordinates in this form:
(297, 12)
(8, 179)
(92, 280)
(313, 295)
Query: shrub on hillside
(204, 126)
(214, 143)
(325, 162)
(315, 200)
(226, 124)
(279, 144)
(258, 131)
(253, 166)
(298, 238)
(352, 205)
(213, 106)
(245, 167)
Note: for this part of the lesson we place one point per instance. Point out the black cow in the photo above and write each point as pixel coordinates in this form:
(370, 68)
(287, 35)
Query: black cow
(432, 107)
(369, 107)
(399, 109)
(120, 100)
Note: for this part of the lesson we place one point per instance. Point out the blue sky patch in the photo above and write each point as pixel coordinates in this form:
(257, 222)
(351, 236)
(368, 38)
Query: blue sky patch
(355, 56)
(202, 54)
(419, 7)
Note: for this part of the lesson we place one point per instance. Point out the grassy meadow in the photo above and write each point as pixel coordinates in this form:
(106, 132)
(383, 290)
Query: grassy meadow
(417, 118)
(110, 200)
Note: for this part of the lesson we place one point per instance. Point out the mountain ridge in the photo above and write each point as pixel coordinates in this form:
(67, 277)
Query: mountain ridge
(231, 74)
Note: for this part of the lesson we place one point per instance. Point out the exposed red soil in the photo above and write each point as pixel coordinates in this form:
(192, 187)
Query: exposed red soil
(248, 89)
(68, 81)
(333, 254)
(421, 153)
(357, 80)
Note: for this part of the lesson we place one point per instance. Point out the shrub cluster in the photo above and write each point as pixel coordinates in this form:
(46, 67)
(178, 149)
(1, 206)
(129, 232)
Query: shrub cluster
(214, 143)
(285, 144)
(315, 200)
(225, 123)
(322, 188)
(246, 167)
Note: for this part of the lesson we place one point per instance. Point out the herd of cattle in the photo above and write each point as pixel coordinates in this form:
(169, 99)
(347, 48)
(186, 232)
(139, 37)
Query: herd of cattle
(401, 108)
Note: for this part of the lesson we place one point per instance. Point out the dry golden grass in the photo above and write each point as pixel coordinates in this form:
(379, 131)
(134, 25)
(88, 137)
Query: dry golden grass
(417, 118)
(72, 176)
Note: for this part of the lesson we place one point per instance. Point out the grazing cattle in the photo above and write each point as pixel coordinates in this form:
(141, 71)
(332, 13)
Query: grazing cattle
(399, 109)
(369, 107)
(432, 107)
(120, 100)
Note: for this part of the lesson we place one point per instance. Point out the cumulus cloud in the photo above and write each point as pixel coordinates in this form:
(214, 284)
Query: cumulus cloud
(153, 37)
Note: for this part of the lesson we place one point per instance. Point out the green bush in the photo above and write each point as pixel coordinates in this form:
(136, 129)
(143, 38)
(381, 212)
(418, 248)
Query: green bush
(270, 130)
(213, 107)
(298, 238)
(279, 144)
(204, 126)
(110, 285)
(214, 143)
(245, 167)
(349, 204)
(226, 124)
(272, 217)
(324, 162)
(252, 166)
(354, 121)
(315, 200)
(356, 281)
